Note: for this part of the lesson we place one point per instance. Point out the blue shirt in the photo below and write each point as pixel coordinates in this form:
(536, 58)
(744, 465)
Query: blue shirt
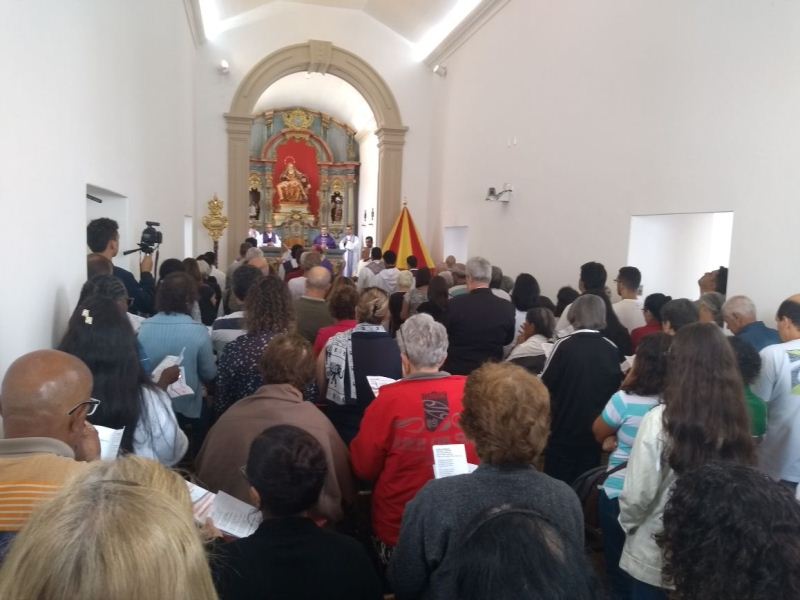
(758, 335)
(169, 334)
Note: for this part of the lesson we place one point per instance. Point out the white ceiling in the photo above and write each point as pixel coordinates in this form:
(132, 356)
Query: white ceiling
(409, 18)
(325, 93)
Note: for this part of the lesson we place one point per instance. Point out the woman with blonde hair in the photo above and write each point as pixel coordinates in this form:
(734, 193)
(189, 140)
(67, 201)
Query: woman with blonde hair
(122, 530)
(350, 356)
(507, 416)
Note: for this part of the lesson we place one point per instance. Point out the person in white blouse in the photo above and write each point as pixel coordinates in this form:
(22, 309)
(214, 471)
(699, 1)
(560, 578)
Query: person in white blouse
(352, 251)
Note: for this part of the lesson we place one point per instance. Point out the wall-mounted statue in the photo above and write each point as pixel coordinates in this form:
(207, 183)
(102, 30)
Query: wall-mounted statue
(337, 207)
(294, 185)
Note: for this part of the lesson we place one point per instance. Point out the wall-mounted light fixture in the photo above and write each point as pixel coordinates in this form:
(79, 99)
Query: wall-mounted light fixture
(440, 70)
(503, 195)
(224, 68)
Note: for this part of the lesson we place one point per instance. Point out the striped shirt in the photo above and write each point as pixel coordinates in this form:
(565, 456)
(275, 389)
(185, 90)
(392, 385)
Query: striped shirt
(624, 412)
(32, 471)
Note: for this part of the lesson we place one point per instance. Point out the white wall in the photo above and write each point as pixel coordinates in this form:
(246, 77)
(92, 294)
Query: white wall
(624, 108)
(100, 93)
(292, 23)
(672, 250)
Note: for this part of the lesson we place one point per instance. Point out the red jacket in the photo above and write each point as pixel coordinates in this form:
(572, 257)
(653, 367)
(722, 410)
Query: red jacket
(393, 447)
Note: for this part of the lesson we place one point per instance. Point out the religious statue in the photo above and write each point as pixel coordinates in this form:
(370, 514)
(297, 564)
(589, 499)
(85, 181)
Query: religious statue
(255, 205)
(294, 185)
(337, 207)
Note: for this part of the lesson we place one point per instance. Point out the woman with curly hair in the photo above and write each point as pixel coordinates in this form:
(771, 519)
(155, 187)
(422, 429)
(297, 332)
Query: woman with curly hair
(507, 415)
(731, 532)
(703, 418)
(268, 311)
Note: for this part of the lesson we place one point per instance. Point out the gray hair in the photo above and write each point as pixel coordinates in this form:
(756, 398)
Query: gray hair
(253, 253)
(588, 312)
(739, 306)
(448, 278)
(318, 278)
(479, 269)
(713, 302)
(423, 341)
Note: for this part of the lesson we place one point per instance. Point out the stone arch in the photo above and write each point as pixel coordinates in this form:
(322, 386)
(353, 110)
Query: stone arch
(320, 57)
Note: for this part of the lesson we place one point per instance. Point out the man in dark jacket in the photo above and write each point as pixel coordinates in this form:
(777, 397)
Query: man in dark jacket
(480, 322)
(102, 237)
(581, 373)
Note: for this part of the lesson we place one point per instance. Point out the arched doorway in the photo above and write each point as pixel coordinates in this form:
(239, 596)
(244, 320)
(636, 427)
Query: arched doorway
(316, 57)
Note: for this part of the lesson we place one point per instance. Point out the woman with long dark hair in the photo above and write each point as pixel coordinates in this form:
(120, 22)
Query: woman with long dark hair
(703, 418)
(524, 297)
(101, 336)
(438, 298)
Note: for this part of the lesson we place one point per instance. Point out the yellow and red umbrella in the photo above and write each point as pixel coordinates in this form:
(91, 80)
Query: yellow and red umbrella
(404, 240)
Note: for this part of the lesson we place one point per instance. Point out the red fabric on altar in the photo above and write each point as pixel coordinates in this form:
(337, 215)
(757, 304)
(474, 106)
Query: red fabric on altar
(305, 160)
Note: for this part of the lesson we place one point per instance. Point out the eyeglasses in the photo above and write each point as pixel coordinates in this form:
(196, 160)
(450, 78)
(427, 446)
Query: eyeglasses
(92, 404)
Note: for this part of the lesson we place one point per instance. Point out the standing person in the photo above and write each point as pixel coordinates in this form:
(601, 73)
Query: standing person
(324, 239)
(268, 311)
(709, 308)
(437, 304)
(364, 255)
(102, 237)
(629, 308)
(289, 555)
(270, 237)
(417, 294)
(524, 297)
(101, 336)
(173, 332)
(592, 277)
(616, 429)
(652, 318)
(677, 314)
(703, 419)
(480, 322)
(351, 356)
(779, 386)
(386, 278)
(205, 310)
(581, 373)
(370, 270)
(352, 251)
(392, 452)
(227, 328)
(739, 314)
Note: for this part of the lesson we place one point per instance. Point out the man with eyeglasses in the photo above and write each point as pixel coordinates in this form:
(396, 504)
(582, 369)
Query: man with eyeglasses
(44, 400)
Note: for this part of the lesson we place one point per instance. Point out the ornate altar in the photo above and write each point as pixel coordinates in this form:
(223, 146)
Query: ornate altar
(303, 174)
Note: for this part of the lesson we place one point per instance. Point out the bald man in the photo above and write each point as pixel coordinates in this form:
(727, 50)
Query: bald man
(778, 385)
(44, 399)
(311, 309)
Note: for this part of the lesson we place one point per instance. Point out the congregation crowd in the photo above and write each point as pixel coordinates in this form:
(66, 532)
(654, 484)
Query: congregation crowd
(668, 429)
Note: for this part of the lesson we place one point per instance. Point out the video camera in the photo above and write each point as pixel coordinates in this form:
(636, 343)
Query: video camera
(151, 239)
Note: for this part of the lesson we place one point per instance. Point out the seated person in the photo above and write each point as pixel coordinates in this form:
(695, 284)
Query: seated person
(507, 415)
(289, 556)
(229, 327)
(537, 330)
(342, 306)
(678, 313)
(749, 362)
(731, 532)
(511, 553)
(286, 366)
(124, 529)
(351, 356)
(100, 335)
(393, 447)
(652, 318)
(44, 399)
